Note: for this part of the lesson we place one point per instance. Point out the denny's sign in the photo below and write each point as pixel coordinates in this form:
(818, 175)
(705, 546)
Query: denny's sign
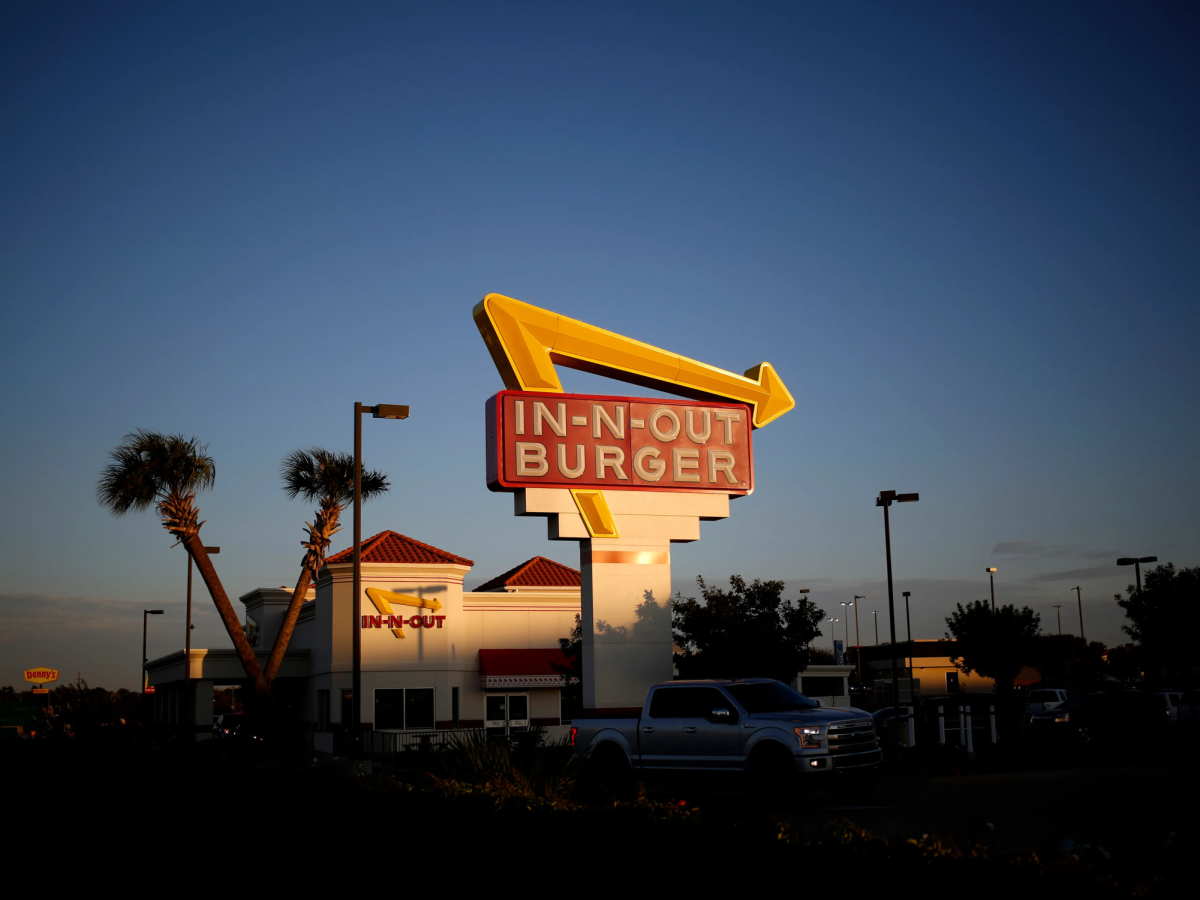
(539, 439)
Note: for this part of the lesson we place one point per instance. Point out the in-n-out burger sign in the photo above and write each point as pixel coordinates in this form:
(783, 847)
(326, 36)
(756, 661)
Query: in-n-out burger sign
(413, 621)
(617, 443)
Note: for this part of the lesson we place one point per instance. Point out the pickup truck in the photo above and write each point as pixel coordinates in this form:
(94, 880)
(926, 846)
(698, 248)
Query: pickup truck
(758, 728)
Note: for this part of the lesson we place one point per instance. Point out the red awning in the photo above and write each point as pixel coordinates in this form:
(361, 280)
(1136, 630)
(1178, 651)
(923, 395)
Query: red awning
(521, 668)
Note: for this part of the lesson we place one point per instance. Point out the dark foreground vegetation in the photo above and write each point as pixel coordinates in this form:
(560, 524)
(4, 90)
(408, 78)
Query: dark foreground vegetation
(232, 812)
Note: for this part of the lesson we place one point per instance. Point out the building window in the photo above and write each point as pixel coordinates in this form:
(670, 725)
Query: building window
(403, 709)
(322, 710)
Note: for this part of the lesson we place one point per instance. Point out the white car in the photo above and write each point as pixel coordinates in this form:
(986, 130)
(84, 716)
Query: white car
(1043, 699)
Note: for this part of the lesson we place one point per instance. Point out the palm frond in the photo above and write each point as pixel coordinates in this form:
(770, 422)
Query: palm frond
(318, 474)
(147, 466)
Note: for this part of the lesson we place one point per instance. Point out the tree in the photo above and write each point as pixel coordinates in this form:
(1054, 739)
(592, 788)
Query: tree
(328, 479)
(1163, 617)
(994, 644)
(166, 472)
(745, 632)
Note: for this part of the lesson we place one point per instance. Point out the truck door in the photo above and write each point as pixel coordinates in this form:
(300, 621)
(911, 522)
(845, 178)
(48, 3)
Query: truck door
(710, 742)
(660, 733)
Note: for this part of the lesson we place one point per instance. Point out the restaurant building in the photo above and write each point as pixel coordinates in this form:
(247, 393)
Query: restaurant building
(433, 655)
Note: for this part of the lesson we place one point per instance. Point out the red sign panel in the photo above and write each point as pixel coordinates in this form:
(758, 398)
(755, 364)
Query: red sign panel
(617, 443)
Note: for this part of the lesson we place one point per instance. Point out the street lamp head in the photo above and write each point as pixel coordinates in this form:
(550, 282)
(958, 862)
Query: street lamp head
(991, 569)
(389, 411)
(1148, 559)
(860, 597)
(803, 590)
(212, 551)
(155, 612)
(907, 498)
(1127, 561)
(907, 593)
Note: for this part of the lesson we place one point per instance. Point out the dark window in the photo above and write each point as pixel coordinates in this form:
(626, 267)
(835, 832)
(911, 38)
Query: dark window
(418, 708)
(518, 706)
(769, 697)
(454, 706)
(687, 702)
(389, 710)
(821, 686)
(951, 682)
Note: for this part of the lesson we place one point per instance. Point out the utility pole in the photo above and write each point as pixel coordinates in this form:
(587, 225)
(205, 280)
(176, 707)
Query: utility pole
(1079, 600)
(1058, 607)
(908, 626)
(992, 579)
(885, 499)
(857, 639)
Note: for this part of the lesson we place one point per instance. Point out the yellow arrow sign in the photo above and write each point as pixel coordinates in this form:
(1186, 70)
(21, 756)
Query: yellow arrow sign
(526, 342)
(383, 601)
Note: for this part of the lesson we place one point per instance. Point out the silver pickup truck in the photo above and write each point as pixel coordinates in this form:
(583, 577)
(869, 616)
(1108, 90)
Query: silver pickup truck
(754, 727)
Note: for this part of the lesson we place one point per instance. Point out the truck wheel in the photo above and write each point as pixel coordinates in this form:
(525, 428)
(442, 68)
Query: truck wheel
(773, 778)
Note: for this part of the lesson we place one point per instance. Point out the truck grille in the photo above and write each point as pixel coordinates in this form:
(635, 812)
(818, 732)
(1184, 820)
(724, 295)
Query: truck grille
(857, 736)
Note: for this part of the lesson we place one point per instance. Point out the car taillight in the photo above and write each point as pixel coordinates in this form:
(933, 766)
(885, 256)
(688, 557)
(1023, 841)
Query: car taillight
(574, 731)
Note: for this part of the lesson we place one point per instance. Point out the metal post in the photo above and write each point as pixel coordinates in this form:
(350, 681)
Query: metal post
(992, 580)
(1079, 600)
(1058, 609)
(941, 726)
(908, 626)
(912, 729)
(887, 540)
(356, 631)
(145, 619)
(962, 737)
(875, 614)
(1137, 571)
(970, 736)
(186, 706)
(857, 639)
(992, 717)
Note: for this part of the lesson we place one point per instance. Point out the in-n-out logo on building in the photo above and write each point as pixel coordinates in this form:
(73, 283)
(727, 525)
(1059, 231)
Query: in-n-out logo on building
(387, 617)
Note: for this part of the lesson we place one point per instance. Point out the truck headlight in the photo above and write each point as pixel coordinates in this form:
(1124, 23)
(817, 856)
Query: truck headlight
(810, 736)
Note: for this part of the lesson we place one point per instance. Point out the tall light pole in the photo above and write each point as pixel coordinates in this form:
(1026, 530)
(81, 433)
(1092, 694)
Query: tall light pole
(875, 618)
(885, 499)
(379, 411)
(1079, 600)
(186, 706)
(1058, 608)
(857, 639)
(908, 627)
(145, 614)
(1136, 562)
(992, 579)
(833, 635)
(847, 617)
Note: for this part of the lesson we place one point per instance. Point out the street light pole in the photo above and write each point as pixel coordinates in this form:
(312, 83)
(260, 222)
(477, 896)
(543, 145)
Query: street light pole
(992, 579)
(908, 627)
(1079, 600)
(379, 411)
(875, 619)
(845, 604)
(1058, 607)
(145, 614)
(1136, 562)
(187, 705)
(857, 639)
(885, 500)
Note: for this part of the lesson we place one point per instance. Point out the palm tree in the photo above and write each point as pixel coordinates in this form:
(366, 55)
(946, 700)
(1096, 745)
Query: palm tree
(167, 471)
(328, 478)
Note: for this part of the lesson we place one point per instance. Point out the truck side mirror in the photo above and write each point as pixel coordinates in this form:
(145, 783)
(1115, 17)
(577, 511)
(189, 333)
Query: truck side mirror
(720, 714)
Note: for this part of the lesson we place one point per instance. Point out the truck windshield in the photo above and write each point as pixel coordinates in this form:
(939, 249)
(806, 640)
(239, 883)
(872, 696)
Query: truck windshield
(769, 697)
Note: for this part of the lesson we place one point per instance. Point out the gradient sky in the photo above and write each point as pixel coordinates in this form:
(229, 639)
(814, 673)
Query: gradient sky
(967, 236)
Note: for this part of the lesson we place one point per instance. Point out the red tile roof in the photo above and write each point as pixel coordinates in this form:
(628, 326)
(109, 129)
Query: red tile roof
(536, 572)
(391, 547)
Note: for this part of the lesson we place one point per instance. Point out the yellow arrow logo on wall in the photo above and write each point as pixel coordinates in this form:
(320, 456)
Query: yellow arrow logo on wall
(383, 601)
(526, 342)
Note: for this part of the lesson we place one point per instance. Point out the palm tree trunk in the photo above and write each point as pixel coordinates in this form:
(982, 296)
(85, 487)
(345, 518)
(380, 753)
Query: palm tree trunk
(221, 600)
(289, 625)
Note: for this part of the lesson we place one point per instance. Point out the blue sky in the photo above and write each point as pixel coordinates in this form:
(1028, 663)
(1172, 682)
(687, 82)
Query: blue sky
(966, 236)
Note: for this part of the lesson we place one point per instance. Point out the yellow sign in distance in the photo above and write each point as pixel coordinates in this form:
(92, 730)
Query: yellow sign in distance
(41, 676)
(383, 601)
(526, 342)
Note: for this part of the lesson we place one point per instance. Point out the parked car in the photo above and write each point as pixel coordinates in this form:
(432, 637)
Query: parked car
(226, 725)
(1042, 699)
(1175, 704)
(1102, 719)
(755, 727)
